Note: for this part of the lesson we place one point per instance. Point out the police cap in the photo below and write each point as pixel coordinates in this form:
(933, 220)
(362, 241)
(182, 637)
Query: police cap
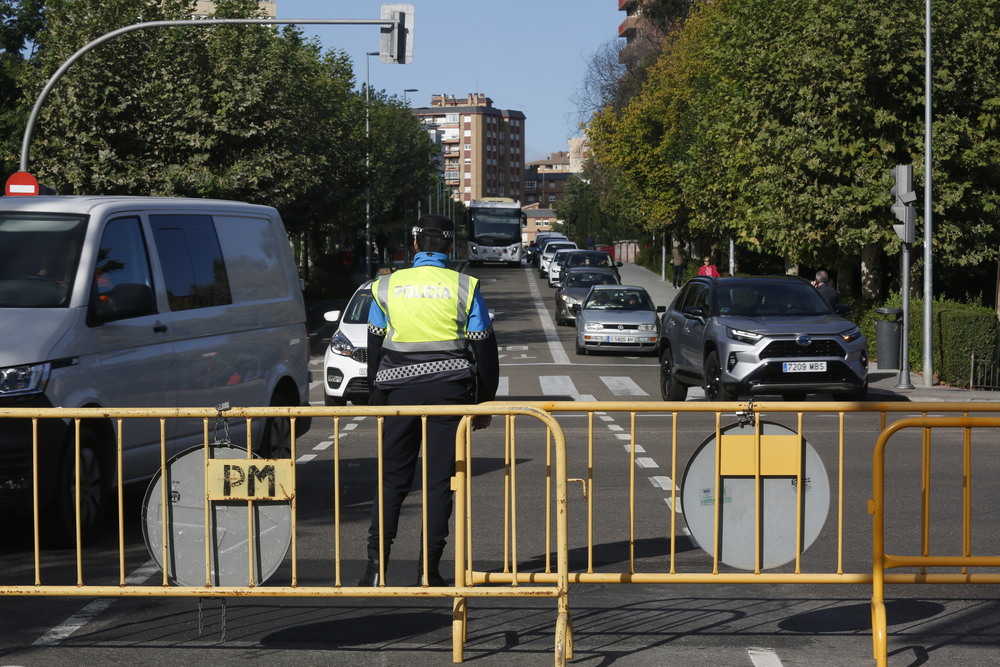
(435, 225)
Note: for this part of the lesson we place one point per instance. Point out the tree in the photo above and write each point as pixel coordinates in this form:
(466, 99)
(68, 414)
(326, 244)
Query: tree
(20, 21)
(777, 122)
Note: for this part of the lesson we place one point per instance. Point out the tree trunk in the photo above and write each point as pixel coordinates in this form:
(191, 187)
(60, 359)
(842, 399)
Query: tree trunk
(871, 280)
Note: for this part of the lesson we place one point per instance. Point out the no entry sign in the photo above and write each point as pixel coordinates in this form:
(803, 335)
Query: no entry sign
(21, 184)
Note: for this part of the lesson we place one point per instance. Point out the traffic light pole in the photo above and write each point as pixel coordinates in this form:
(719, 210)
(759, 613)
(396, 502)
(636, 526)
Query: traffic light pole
(398, 44)
(903, 382)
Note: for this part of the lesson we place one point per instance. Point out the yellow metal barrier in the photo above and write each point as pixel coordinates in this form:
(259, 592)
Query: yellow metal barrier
(676, 428)
(883, 561)
(751, 456)
(224, 481)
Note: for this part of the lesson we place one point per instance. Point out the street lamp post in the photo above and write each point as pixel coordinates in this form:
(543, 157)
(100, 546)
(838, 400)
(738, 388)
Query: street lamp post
(368, 170)
(406, 102)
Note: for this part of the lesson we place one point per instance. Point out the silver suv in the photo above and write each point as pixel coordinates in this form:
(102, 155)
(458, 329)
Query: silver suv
(767, 335)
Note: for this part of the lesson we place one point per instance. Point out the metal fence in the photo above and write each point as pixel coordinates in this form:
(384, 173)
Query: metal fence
(771, 493)
(984, 373)
(223, 477)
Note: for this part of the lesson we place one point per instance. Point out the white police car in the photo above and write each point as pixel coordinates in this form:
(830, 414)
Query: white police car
(346, 359)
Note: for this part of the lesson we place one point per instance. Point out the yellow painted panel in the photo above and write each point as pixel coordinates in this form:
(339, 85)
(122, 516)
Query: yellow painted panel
(251, 479)
(780, 455)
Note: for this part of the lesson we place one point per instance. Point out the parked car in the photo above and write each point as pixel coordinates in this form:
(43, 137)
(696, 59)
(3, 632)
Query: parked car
(571, 258)
(575, 287)
(616, 318)
(765, 335)
(346, 358)
(547, 252)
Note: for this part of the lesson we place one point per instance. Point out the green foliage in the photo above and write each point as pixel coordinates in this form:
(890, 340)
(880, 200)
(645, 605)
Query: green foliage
(777, 122)
(20, 21)
(249, 112)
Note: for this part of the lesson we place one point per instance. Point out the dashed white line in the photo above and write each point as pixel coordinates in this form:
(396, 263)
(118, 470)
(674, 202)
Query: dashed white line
(646, 462)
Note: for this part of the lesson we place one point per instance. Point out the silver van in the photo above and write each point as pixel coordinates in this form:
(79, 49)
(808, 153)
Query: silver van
(140, 302)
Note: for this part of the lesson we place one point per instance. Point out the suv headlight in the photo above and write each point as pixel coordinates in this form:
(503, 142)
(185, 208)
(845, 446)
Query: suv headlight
(744, 336)
(851, 334)
(341, 345)
(23, 380)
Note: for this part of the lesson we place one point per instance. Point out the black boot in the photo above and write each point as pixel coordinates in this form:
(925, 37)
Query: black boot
(434, 577)
(371, 576)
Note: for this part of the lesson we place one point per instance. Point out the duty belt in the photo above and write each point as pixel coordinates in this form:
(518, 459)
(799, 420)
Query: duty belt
(427, 368)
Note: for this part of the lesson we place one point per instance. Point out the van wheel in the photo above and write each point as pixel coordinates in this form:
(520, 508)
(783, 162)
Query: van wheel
(276, 442)
(59, 523)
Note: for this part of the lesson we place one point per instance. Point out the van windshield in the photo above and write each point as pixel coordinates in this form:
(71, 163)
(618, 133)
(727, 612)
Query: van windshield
(39, 255)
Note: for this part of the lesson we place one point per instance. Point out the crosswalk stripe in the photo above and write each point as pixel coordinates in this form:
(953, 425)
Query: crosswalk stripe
(622, 386)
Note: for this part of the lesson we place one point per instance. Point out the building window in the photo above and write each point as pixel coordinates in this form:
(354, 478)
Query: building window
(468, 147)
(552, 197)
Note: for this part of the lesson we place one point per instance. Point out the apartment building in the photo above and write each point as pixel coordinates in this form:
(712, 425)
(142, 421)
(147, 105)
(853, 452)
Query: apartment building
(206, 7)
(545, 181)
(482, 146)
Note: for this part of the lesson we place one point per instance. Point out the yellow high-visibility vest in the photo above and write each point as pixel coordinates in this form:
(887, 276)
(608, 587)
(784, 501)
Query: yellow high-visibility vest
(426, 307)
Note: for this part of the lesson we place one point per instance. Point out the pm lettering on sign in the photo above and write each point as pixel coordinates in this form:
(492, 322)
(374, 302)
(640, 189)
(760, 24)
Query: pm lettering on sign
(252, 479)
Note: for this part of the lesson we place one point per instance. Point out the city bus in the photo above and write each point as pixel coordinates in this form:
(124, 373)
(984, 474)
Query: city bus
(494, 231)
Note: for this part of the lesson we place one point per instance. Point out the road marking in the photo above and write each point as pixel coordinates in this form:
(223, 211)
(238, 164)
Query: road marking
(639, 449)
(305, 458)
(646, 462)
(72, 624)
(763, 657)
(553, 385)
(503, 388)
(559, 355)
(623, 386)
(662, 482)
(323, 445)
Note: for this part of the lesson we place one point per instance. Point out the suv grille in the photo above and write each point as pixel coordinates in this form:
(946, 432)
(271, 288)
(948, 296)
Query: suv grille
(817, 348)
(360, 355)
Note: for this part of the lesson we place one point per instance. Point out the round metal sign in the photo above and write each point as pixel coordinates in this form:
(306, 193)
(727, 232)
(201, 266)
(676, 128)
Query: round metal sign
(229, 529)
(737, 513)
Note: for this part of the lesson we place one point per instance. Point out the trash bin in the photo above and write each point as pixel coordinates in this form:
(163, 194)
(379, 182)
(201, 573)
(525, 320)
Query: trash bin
(888, 338)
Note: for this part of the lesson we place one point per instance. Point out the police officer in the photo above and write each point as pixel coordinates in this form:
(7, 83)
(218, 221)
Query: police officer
(430, 342)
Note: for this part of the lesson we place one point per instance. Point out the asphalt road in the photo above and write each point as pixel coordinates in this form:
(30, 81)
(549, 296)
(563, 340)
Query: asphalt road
(763, 625)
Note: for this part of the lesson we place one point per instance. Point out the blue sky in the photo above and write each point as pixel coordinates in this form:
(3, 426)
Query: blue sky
(529, 55)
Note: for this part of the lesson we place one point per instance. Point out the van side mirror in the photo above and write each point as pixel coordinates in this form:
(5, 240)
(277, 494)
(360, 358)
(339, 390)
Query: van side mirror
(121, 302)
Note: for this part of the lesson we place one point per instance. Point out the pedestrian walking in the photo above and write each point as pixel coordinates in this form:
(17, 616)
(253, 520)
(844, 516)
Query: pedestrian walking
(430, 342)
(678, 259)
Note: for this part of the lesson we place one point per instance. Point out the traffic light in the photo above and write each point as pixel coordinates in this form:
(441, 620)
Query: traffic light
(396, 45)
(902, 207)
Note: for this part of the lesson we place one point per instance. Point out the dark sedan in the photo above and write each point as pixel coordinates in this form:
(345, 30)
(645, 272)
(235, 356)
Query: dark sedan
(574, 289)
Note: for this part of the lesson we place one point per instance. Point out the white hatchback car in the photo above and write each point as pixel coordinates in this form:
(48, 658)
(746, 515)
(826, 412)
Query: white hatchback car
(346, 359)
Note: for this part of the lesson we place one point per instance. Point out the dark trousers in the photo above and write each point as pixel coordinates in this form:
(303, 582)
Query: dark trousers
(401, 448)
(678, 274)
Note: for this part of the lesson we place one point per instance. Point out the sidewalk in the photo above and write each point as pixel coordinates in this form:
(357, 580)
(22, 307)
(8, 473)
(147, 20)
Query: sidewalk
(881, 382)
